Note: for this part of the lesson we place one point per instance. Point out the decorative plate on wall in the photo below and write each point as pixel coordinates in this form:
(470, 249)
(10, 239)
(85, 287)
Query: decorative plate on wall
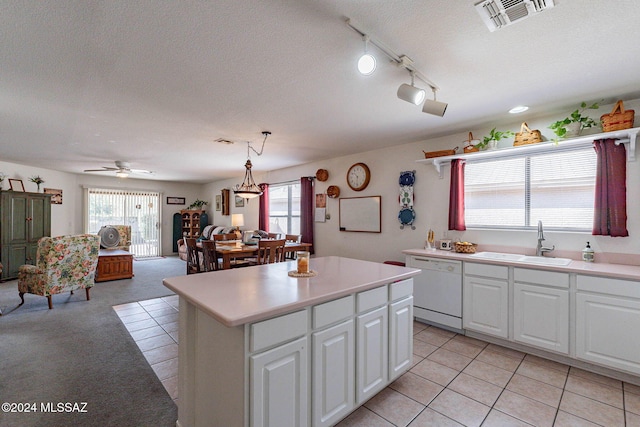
(333, 191)
(322, 175)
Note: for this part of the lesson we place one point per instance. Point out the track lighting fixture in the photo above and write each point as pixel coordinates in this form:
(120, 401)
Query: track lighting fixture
(434, 107)
(248, 189)
(367, 62)
(409, 93)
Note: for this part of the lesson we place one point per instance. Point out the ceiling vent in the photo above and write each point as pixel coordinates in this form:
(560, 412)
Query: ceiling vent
(500, 13)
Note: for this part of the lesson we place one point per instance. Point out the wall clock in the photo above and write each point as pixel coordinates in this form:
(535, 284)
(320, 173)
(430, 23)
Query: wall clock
(358, 176)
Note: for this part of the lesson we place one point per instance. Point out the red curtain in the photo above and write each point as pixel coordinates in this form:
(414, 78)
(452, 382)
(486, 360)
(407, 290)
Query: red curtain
(456, 196)
(610, 208)
(306, 210)
(263, 215)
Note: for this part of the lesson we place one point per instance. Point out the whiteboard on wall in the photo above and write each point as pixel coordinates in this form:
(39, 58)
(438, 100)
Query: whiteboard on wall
(361, 214)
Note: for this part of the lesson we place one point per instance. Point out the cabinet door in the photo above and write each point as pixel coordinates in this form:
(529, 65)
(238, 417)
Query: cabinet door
(333, 373)
(605, 327)
(400, 337)
(541, 317)
(279, 386)
(13, 256)
(373, 353)
(39, 212)
(15, 220)
(485, 306)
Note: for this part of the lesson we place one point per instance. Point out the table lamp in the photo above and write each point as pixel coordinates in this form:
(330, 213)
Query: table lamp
(237, 221)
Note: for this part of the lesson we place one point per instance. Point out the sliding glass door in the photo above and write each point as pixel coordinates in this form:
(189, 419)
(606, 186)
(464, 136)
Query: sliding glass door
(139, 209)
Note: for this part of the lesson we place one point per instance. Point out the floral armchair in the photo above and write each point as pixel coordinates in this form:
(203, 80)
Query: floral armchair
(63, 264)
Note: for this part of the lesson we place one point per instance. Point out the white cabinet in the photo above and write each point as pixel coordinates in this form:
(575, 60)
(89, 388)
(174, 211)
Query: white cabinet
(333, 341)
(279, 389)
(541, 309)
(607, 319)
(400, 337)
(373, 351)
(486, 299)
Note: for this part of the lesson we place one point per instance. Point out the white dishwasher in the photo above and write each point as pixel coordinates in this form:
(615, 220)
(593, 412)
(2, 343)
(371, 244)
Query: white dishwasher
(437, 291)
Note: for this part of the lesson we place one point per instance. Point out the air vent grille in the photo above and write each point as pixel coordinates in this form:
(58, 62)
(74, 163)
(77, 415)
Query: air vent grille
(500, 13)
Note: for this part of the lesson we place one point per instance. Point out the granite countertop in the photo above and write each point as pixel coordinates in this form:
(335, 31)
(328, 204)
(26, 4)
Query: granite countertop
(244, 295)
(618, 271)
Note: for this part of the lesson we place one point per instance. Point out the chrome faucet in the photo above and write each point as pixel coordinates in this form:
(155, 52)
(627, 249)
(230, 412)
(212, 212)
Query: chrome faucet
(540, 250)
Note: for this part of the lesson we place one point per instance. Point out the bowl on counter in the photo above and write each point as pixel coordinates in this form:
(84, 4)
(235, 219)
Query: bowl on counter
(465, 247)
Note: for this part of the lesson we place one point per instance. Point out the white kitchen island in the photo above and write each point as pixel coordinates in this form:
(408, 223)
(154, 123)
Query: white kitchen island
(260, 348)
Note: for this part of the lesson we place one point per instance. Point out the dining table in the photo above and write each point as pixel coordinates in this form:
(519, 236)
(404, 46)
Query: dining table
(230, 249)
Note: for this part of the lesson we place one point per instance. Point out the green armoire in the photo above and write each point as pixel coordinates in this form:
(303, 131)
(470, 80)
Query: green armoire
(24, 219)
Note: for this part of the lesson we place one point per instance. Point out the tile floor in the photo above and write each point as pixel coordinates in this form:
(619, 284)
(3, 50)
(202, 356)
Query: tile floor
(455, 381)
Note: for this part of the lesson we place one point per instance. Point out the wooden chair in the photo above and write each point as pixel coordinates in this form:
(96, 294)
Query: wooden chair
(222, 237)
(270, 251)
(274, 236)
(210, 256)
(193, 257)
(292, 238)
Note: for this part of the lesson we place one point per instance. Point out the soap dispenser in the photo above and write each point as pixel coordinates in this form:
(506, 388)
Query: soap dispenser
(587, 254)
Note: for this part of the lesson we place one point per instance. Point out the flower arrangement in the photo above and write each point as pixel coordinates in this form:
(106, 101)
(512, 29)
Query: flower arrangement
(198, 204)
(2, 177)
(37, 180)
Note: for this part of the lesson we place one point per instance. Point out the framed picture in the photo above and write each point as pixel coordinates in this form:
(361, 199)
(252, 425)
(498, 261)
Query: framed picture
(219, 202)
(56, 195)
(16, 184)
(239, 202)
(176, 201)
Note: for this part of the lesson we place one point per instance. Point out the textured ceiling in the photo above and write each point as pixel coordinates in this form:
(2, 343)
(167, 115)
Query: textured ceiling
(85, 83)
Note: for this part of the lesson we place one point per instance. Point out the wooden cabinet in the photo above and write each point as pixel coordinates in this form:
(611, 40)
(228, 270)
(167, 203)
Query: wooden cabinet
(25, 218)
(191, 223)
(486, 299)
(607, 317)
(541, 309)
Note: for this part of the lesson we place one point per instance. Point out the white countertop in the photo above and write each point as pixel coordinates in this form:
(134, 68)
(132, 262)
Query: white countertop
(619, 271)
(244, 295)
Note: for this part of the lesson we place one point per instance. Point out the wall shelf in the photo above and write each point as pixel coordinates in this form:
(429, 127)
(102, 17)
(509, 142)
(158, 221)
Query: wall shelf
(626, 137)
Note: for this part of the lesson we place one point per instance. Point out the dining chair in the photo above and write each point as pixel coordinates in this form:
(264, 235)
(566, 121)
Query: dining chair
(270, 251)
(222, 237)
(193, 257)
(210, 256)
(274, 236)
(292, 238)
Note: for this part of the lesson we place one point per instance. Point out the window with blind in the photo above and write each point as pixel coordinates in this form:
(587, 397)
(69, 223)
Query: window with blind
(284, 208)
(139, 209)
(554, 187)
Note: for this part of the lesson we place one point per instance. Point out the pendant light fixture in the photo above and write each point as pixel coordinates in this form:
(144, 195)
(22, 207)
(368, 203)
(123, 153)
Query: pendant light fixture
(248, 189)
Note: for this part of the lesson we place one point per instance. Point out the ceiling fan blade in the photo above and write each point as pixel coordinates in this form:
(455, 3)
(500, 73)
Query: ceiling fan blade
(104, 169)
(141, 171)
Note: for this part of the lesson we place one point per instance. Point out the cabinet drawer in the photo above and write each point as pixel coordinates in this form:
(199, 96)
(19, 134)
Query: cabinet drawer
(619, 287)
(540, 277)
(278, 330)
(373, 298)
(400, 289)
(487, 270)
(332, 312)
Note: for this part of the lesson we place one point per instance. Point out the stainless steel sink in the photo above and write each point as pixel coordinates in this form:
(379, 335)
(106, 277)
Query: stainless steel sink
(499, 256)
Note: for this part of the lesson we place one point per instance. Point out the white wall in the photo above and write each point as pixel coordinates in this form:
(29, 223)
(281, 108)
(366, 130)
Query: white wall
(431, 201)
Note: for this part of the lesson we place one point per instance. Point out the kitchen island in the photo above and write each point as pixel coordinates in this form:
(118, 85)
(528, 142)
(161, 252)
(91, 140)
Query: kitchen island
(260, 348)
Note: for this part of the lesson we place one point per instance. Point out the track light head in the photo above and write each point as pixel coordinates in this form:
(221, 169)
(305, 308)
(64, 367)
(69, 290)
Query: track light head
(411, 94)
(434, 107)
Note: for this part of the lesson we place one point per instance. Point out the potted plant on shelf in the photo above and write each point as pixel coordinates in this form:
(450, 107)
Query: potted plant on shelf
(572, 126)
(2, 178)
(491, 141)
(37, 180)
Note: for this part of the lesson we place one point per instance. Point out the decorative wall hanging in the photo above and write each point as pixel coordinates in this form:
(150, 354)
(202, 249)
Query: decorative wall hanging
(407, 215)
(56, 195)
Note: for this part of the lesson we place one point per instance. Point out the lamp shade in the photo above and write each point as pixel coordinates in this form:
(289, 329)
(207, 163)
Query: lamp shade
(411, 94)
(434, 107)
(237, 220)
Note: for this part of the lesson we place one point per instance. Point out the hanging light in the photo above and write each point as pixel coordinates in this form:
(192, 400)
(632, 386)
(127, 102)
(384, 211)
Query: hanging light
(367, 62)
(434, 107)
(410, 93)
(248, 189)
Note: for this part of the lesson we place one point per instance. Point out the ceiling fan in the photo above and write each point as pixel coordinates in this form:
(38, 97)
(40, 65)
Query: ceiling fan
(122, 169)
